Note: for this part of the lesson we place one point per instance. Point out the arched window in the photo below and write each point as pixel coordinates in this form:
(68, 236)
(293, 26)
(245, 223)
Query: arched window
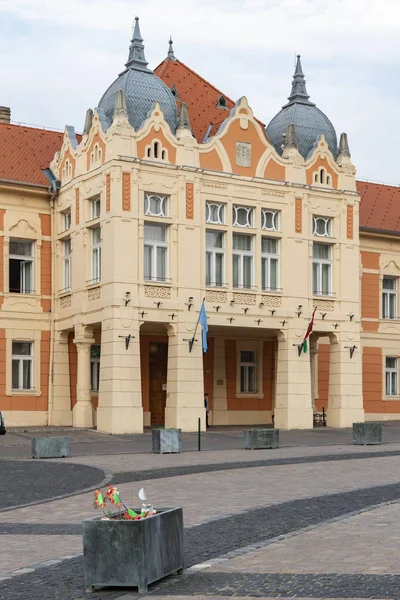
(163, 155)
(155, 149)
(322, 176)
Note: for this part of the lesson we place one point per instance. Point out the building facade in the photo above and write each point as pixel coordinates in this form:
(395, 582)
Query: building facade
(174, 195)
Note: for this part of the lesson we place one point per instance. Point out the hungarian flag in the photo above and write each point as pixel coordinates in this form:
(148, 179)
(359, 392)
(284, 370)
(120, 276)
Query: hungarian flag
(303, 345)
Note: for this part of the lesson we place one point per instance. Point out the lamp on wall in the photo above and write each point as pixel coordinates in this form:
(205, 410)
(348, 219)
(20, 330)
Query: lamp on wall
(299, 311)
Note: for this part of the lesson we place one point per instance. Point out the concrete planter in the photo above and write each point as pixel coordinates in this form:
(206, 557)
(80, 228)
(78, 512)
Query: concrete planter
(167, 441)
(255, 439)
(368, 433)
(133, 553)
(50, 447)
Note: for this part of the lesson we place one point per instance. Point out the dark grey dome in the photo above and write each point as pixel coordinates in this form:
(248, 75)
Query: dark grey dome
(141, 88)
(309, 121)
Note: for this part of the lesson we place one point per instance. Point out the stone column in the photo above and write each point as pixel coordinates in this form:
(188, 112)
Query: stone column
(83, 412)
(293, 408)
(220, 406)
(345, 398)
(120, 395)
(61, 413)
(314, 374)
(185, 381)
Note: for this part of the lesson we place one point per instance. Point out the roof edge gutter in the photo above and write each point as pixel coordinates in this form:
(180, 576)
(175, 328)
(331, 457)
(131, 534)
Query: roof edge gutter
(385, 232)
(26, 183)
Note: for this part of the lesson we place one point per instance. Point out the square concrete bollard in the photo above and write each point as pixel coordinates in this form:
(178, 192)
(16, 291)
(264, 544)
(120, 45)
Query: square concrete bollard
(368, 433)
(50, 447)
(255, 439)
(166, 441)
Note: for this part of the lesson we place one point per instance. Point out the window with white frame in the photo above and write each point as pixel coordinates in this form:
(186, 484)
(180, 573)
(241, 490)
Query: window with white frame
(270, 263)
(322, 269)
(389, 298)
(391, 376)
(22, 365)
(96, 255)
(270, 219)
(248, 371)
(66, 216)
(95, 208)
(215, 213)
(21, 267)
(155, 205)
(215, 258)
(67, 265)
(155, 252)
(95, 367)
(243, 258)
(322, 226)
(243, 216)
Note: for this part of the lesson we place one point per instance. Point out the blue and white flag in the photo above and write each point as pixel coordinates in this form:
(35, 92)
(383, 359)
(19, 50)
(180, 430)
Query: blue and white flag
(204, 326)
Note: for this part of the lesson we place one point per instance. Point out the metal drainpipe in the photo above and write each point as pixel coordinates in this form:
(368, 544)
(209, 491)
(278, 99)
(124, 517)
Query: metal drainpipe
(53, 191)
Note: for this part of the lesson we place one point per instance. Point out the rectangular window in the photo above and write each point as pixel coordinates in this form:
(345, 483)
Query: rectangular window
(67, 265)
(22, 360)
(248, 371)
(95, 208)
(389, 298)
(96, 255)
(270, 219)
(215, 258)
(155, 205)
(66, 220)
(243, 216)
(155, 252)
(391, 375)
(322, 226)
(243, 257)
(270, 263)
(21, 267)
(95, 367)
(215, 213)
(322, 269)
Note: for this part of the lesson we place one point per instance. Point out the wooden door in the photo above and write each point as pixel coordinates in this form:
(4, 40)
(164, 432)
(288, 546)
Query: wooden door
(158, 382)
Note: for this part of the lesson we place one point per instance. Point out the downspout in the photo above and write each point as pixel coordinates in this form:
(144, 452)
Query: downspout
(53, 189)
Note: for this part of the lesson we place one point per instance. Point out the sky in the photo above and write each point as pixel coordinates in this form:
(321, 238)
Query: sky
(57, 57)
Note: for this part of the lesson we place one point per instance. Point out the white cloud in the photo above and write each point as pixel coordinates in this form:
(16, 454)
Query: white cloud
(59, 57)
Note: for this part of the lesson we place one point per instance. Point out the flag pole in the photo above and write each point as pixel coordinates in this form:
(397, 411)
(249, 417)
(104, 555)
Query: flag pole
(191, 342)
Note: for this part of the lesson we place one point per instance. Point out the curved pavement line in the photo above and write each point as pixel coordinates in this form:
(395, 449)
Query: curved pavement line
(103, 483)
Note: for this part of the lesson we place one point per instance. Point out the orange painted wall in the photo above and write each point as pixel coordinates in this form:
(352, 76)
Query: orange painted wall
(236, 134)
(73, 368)
(372, 379)
(96, 140)
(45, 221)
(208, 369)
(321, 162)
(324, 352)
(268, 376)
(42, 402)
(370, 260)
(45, 269)
(370, 295)
(72, 161)
(5, 401)
(210, 160)
(159, 135)
(274, 171)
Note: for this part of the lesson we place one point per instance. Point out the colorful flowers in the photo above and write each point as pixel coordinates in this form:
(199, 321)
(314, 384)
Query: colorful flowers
(111, 495)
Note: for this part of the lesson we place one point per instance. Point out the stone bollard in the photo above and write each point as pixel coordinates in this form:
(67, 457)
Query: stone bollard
(255, 439)
(368, 433)
(50, 447)
(166, 441)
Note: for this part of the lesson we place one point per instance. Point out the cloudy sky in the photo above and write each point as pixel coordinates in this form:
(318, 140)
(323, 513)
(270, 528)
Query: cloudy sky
(59, 56)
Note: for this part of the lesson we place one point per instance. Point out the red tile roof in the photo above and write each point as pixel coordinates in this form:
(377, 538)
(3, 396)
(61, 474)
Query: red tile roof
(24, 151)
(380, 206)
(200, 96)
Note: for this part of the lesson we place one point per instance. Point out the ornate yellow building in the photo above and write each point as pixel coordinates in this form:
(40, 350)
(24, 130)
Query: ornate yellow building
(174, 194)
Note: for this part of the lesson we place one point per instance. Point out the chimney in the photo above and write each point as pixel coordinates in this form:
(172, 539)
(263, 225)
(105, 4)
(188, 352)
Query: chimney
(5, 114)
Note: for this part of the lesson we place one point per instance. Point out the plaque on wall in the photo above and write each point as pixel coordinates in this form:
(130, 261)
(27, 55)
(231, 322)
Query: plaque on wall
(243, 154)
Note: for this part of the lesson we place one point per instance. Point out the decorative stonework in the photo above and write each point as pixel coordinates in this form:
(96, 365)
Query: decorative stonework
(246, 299)
(157, 291)
(327, 305)
(216, 296)
(94, 293)
(350, 211)
(65, 301)
(298, 215)
(77, 206)
(270, 193)
(189, 200)
(243, 154)
(214, 186)
(108, 192)
(126, 191)
(273, 301)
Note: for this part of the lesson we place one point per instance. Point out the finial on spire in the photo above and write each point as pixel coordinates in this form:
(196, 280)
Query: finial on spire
(88, 121)
(299, 92)
(344, 149)
(183, 120)
(136, 58)
(120, 104)
(290, 138)
(171, 54)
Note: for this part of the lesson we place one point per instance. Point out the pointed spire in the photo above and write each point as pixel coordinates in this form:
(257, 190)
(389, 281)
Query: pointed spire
(290, 138)
(171, 54)
(88, 122)
(344, 149)
(120, 104)
(183, 120)
(136, 58)
(299, 91)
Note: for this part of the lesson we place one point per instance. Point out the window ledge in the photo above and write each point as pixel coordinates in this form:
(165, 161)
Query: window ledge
(278, 292)
(93, 222)
(16, 295)
(325, 296)
(393, 398)
(257, 395)
(32, 392)
(90, 285)
(157, 283)
(63, 293)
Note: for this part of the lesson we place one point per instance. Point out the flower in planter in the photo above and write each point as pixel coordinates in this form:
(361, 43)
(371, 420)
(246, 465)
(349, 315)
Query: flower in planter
(112, 495)
(98, 499)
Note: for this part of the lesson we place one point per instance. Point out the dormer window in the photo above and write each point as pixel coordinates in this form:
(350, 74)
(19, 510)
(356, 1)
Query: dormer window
(322, 226)
(96, 155)
(221, 102)
(157, 152)
(321, 177)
